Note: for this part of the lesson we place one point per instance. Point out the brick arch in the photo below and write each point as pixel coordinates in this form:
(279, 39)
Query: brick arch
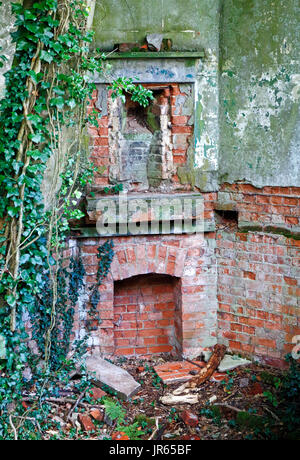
(147, 258)
(191, 259)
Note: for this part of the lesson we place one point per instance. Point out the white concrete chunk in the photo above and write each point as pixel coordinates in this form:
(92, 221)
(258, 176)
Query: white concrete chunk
(230, 362)
(113, 376)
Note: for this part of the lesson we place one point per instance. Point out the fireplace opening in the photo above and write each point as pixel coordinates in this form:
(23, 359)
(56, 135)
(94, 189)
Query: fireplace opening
(147, 315)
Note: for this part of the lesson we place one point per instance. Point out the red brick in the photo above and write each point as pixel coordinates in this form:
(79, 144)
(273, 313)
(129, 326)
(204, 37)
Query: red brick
(175, 90)
(121, 257)
(151, 251)
(290, 281)
(262, 199)
(86, 422)
(189, 418)
(131, 255)
(255, 389)
(179, 120)
(124, 351)
(182, 129)
(276, 199)
(97, 415)
(100, 141)
(160, 349)
(234, 345)
(265, 342)
(292, 220)
(119, 436)
(247, 188)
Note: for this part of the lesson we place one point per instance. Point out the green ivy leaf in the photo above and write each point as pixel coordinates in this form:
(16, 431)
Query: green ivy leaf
(11, 300)
(37, 138)
(45, 56)
(58, 102)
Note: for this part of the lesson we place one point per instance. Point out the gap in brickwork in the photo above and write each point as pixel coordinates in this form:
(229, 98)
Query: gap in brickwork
(224, 216)
(147, 315)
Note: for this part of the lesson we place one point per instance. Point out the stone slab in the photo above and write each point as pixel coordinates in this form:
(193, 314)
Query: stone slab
(116, 378)
(152, 70)
(230, 362)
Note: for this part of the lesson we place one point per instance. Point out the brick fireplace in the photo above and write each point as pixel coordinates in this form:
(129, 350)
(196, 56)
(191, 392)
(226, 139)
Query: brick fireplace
(160, 295)
(179, 292)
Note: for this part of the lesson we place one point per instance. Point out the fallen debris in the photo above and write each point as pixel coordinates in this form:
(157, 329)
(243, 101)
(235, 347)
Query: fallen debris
(96, 393)
(154, 41)
(96, 414)
(189, 418)
(178, 371)
(116, 378)
(172, 400)
(206, 372)
(230, 362)
(119, 436)
(225, 408)
(86, 422)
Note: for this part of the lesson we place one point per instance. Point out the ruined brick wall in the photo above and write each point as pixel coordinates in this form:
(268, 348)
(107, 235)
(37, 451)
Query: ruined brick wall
(258, 273)
(109, 146)
(264, 208)
(238, 286)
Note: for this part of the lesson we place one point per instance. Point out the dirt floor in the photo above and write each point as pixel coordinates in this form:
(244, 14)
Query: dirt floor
(244, 405)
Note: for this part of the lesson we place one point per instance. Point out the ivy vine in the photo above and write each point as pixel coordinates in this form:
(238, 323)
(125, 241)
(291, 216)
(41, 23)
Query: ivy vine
(47, 91)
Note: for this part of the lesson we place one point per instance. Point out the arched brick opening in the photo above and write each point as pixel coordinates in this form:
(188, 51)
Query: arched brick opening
(148, 315)
(190, 263)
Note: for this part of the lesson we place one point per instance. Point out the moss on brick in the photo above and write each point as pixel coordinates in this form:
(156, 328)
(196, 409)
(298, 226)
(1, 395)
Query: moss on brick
(270, 229)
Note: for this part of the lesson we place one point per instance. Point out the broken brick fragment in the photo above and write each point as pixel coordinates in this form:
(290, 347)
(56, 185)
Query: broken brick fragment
(189, 418)
(192, 437)
(119, 436)
(97, 393)
(255, 389)
(96, 414)
(86, 422)
(219, 377)
(25, 405)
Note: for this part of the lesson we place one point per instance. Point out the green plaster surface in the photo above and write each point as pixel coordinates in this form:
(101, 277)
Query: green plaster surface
(247, 119)
(259, 92)
(191, 24)
(6, 46)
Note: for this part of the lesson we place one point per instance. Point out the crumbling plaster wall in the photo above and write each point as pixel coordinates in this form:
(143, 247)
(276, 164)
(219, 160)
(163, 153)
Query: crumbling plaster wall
(192, 25)
(249, 109)
(259, 92)
(254, 136)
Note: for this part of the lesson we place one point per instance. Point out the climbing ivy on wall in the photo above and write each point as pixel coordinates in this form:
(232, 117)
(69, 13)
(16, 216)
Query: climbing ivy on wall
(42, 114)
(105, 256)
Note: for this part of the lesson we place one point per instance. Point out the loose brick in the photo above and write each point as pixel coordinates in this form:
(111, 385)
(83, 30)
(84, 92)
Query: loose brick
(86, 422)
(189, 418)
